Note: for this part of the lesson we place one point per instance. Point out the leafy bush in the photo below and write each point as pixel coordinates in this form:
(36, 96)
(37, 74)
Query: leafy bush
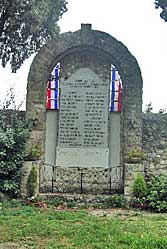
(32, 182)
(139, 186)
(116, 201)
(155, 196)
(135, 152)
(33, 152)
(157, 193)
(13, 137)
(140, 203)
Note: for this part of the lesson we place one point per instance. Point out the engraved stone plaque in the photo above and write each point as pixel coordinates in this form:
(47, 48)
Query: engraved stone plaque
(83, 121)
(82, 157)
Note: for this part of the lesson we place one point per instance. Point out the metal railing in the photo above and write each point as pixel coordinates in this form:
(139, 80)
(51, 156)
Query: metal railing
(49, 174)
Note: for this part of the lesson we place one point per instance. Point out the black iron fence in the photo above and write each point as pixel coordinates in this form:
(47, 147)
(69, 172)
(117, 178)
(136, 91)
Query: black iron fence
(81, 180)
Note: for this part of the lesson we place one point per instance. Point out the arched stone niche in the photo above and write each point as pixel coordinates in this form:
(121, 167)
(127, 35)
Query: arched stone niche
(93, 47)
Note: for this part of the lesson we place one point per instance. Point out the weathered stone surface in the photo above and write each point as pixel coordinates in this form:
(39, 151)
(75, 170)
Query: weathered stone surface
(117, 54)
(77, 198)
(154, 134)
(155, 143)
(25, 173)
(83, 120)
(131, 171)
(76, 50)
(133, 167)
(85, 180)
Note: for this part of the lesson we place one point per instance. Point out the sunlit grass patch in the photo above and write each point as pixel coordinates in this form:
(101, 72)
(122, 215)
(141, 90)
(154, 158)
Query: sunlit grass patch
(50, 228)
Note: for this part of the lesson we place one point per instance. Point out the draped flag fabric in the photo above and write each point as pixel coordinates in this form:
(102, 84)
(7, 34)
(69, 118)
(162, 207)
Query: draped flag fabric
(53, 92)
(115, 91)
(53, 89)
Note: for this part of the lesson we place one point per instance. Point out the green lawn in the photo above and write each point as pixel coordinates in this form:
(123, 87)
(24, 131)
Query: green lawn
(50, 228)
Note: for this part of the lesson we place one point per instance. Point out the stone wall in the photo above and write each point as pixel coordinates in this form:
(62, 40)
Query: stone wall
(155, 143)
(82, 180)
(28, 165)
(130, 174)
(154, 140)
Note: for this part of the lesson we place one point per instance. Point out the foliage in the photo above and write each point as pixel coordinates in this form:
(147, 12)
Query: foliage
(149, 108)
(32, 182)
(13, 136)
(116, 201)
(25, 26)
(139, 186)
(163, 5)
(30, 227)
(135, 152)
(138, 202)
(33, 152)
(157, 193)
(156, 160)
(155, 196)
(162, 111)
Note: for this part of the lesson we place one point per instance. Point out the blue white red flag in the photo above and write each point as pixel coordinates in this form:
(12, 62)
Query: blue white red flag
(115, 91)
(53, 89)
(53, 93)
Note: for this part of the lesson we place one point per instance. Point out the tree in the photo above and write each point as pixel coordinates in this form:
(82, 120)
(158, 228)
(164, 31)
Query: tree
(163, 5)
(25, 26)
(14, 132)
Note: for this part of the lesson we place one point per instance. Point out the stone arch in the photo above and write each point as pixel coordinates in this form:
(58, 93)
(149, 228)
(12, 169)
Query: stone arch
(124, 61)
(116, 52)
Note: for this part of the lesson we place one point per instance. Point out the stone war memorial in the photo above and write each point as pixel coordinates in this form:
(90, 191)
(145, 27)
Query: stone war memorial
(84, 98)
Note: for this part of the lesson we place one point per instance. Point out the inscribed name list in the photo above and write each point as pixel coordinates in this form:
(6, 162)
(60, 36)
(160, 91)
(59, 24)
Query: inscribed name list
(83, 121)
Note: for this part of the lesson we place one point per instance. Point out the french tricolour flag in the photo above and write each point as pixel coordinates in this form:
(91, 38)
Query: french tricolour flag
(53, 89)
(116, 91)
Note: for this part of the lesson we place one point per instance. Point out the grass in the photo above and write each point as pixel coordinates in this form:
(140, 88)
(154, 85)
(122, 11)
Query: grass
(48, 228)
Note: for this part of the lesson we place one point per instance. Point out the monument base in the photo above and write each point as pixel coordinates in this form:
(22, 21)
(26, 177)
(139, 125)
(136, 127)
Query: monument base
(82, 157)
